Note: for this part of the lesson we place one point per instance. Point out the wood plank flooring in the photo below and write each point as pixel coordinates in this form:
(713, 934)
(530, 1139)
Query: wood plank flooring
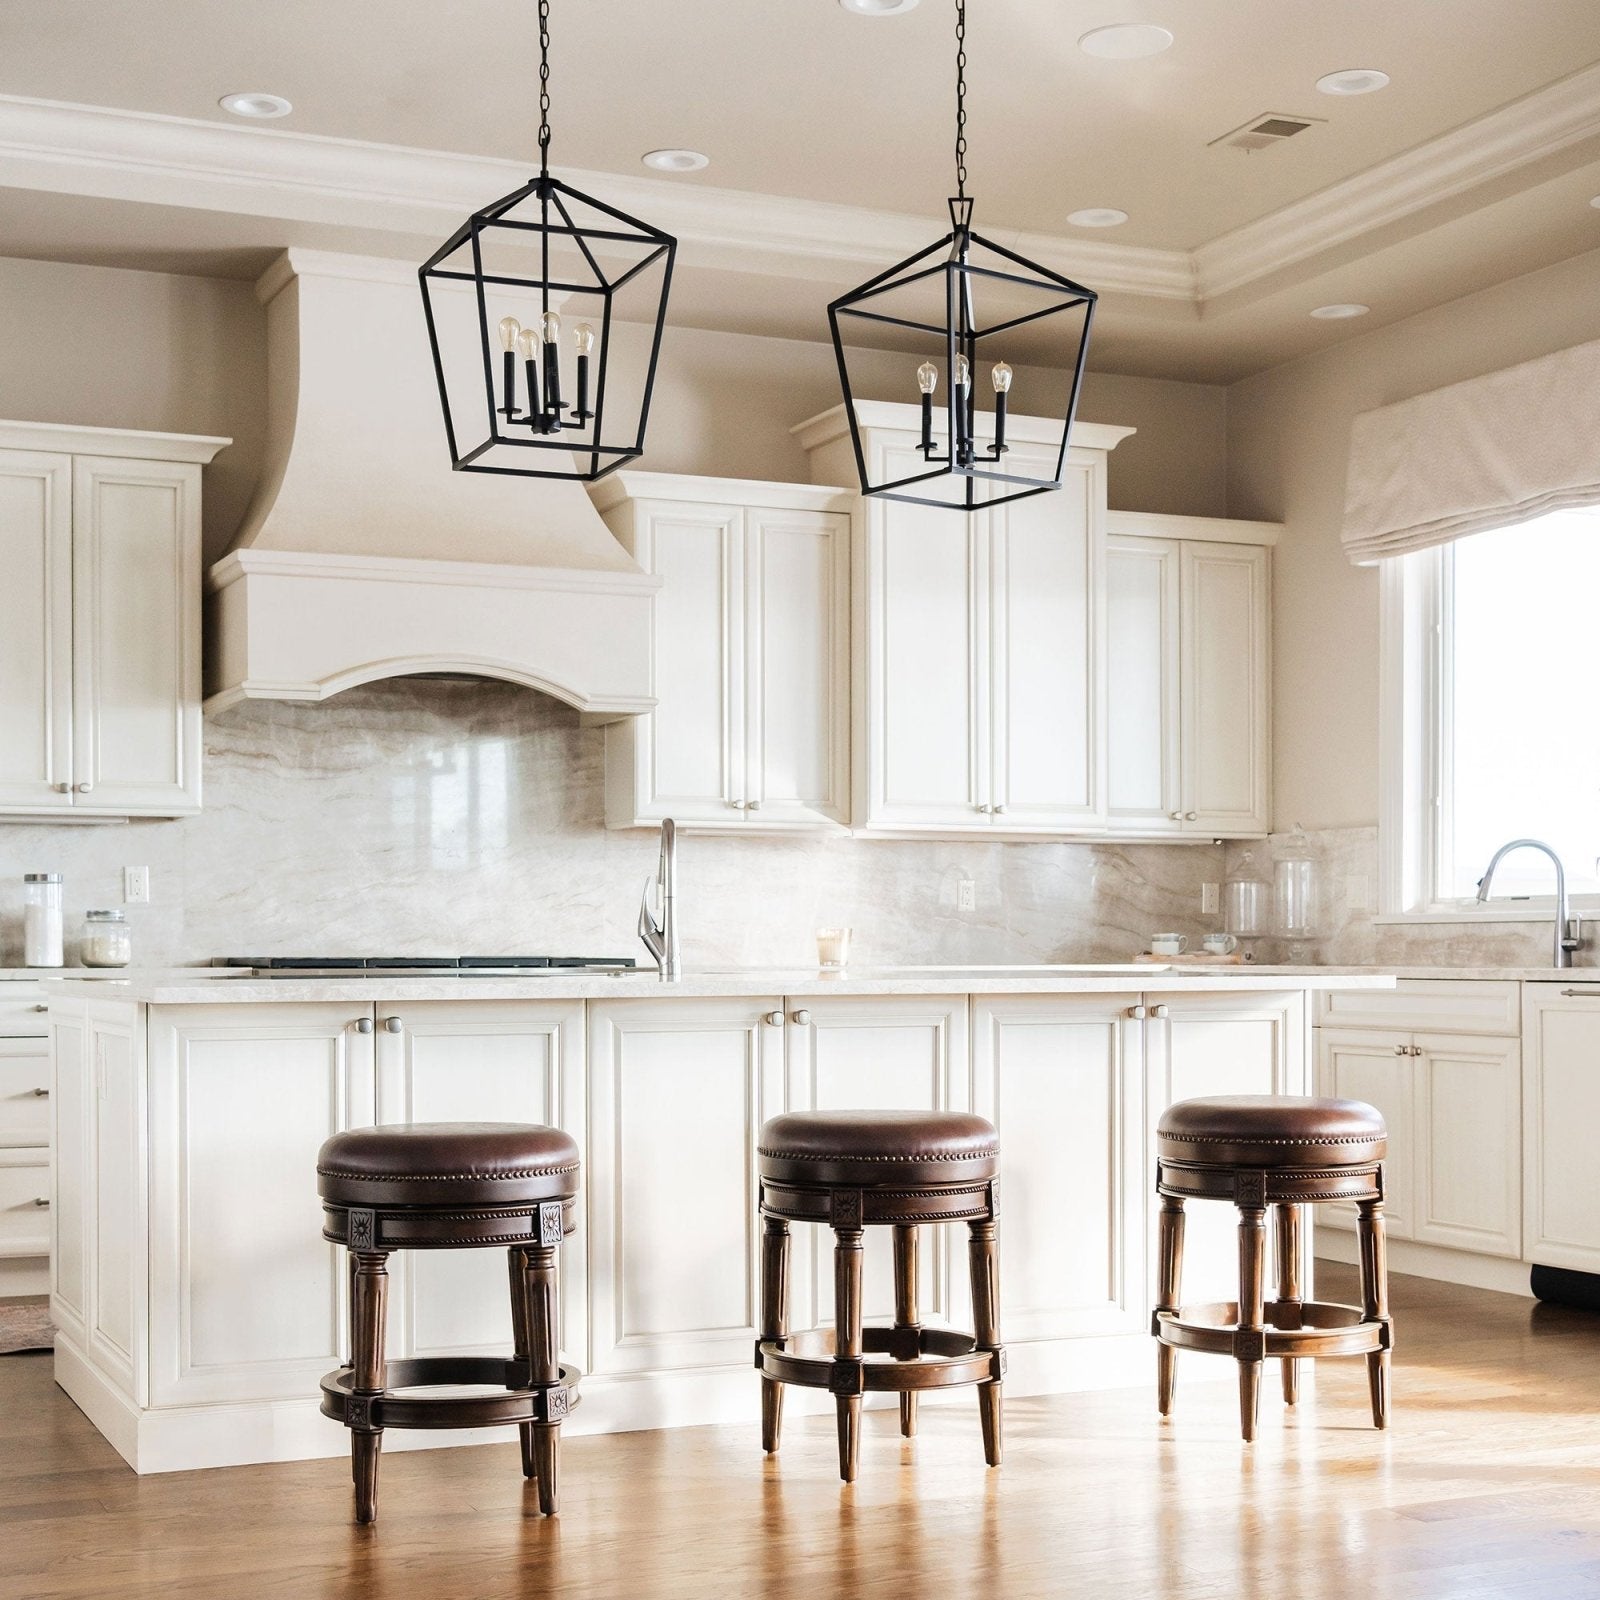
(1487, 1485)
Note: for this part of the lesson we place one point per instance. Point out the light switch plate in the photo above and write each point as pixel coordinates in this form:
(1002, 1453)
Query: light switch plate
(136, 886)
(966, 895)
(1210, 899)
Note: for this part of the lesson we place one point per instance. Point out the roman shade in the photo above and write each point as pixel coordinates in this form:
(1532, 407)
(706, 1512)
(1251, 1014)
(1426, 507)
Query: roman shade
(1481, 454)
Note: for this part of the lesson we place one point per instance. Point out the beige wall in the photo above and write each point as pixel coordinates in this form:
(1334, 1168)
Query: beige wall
(1287, 442)
(110, 348)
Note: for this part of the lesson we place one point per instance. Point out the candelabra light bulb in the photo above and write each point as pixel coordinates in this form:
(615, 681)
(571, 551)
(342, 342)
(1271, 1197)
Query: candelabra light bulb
(528, 343)
(552, 327)
(509, 329)
(583, 337)
(963, 372)
(1001, 377)
(927, 377)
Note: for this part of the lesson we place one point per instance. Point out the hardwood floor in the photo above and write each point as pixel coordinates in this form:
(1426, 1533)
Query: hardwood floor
(1487, 1484)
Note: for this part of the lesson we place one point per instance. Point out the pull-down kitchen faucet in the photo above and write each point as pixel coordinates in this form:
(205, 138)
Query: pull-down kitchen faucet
(661, 937)
(1567, 939)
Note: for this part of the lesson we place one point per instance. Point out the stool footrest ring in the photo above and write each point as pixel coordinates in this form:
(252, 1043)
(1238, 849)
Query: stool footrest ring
(944, 1358)
(517, 1402)
(1292, 1328)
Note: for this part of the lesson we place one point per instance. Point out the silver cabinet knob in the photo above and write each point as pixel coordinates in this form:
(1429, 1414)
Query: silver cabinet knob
(1158, 1011)
(62, 788)
(41, 1007)
(775, 1019)
(998, 810)
(802, 1017)
(753, 805)
(738, 805)
(393, 1025)
(42, 1201)
(980, 807)
(1402, 1049)
(41, 1094)
(1137, 1013)
(1191, 816)
(364, 1025)
(1177, 816)
(85, 788)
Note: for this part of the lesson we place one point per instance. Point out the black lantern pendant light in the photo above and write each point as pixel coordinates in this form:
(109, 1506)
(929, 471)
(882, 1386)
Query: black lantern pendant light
(545, 312)
(959, 304)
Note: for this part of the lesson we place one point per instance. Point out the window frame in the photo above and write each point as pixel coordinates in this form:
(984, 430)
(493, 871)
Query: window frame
(1414, 722)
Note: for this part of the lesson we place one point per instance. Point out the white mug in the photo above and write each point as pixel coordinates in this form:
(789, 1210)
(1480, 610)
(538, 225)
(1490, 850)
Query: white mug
(1220, 944)
(1168, 944)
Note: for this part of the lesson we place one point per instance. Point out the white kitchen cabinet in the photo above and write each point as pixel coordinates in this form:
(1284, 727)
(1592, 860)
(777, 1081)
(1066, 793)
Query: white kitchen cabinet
(24, 1140)
(981, 686)
(1560, 1110)
(750, 655)
(1188, 674)
(100, 660)
(1376, 1065)
(479, 1061)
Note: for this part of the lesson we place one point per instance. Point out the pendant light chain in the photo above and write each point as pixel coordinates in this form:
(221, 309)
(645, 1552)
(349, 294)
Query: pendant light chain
(961, 99)
(544, 86)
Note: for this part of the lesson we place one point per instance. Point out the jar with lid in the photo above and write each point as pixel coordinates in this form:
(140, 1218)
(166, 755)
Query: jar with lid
(106, 940)
(42, 920)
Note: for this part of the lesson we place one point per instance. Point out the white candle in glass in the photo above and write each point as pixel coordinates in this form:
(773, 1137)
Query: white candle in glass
(833, 947)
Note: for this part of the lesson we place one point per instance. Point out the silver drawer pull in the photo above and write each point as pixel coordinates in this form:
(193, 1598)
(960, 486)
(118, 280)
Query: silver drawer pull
(41, 1094)
(41, 1007)
(774, 1019)
(393, 1025)
(364, 1025)
(802, 1018)
(1137, 1013)
(1579, 994)
(1158, 1011)
(42, 1201)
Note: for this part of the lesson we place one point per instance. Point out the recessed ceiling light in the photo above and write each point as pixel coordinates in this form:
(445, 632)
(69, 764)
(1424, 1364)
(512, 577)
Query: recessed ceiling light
(675, 160)
(1339, 313)
(259, 106)
(1097, 217)
(1353, 80)
(878, 8)
(1125, 41)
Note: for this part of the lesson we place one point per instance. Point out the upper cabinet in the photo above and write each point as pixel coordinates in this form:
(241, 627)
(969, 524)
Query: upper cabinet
(750, 654)
(1188, 675)
(100, 654)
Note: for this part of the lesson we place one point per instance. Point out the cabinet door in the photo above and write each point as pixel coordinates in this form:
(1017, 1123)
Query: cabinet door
(36, 638)
(24, 1092)
(1225, 688)
(689, 752)
(1222, 1044)
(678, 1090)
(247, 1300)
(1469, 1144)
(480, 1061)
(927, 674)
(1560, 1111)
(1062, 1078)
(1045, 614)
(866, 1053)
(136, 636)
(1376, 1067)
(1142, 722)
(797, 640)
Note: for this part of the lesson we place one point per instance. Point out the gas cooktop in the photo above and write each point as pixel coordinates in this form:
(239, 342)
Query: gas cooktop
(424, 966)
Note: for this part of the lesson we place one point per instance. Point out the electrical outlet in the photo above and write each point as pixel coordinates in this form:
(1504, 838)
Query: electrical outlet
(966, 895)
(1357, 892)
(136, 886)
(1210, 899)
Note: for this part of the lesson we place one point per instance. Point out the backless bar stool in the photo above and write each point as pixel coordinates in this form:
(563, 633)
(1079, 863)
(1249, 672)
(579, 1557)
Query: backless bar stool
(1286, 1152)
(451, 1186)
(852, 1170)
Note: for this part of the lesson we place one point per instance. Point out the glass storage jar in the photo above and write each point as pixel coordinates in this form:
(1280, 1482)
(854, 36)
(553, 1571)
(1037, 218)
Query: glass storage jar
(42, 920)
(106, 939)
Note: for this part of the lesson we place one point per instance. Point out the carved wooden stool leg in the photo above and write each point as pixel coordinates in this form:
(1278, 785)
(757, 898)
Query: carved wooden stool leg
(1288, 1218)
(522, 1342)
(1375, 1302)
(544, 1334)
(774, 1319)
(905, 1309)
(984, 1260)
(368, 1307)
(847, 1257)
(1250, 1338)
(1169, 1281)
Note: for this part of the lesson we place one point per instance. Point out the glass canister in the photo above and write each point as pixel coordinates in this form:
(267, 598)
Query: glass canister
(42, 920)
(1298, 879)
(1245, 900)
(106, 940)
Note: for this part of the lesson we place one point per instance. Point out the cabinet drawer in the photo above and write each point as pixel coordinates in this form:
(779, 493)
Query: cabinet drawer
(24, 1223)
(24, 1093)
(1428, 1005)
(22, 1016)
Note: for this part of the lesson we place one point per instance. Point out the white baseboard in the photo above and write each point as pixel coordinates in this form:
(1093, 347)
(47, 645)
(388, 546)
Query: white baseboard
(24, 1275)
(1431, 1261)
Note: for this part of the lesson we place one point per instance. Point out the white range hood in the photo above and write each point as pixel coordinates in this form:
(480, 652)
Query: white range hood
(364, 556)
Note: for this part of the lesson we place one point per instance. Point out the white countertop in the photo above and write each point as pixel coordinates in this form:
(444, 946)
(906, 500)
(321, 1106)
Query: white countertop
(164, 989)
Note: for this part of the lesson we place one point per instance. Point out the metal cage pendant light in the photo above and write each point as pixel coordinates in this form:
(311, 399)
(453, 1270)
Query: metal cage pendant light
(953, 303)
(499, 296)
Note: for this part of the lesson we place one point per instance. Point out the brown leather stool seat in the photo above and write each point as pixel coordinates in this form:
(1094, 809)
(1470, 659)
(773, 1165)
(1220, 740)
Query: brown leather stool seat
(851, 1170)
(1282, 1152)
(442, 1186)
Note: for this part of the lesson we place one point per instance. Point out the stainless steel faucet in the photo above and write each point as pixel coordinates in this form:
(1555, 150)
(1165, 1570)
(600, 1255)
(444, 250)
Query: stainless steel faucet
(661, 937)
(1567, 925)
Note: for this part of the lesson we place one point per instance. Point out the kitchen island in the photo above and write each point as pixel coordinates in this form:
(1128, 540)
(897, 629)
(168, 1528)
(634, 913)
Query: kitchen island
(198, 1304)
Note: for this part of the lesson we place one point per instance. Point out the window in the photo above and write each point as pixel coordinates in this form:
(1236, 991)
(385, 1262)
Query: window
(1494, 730)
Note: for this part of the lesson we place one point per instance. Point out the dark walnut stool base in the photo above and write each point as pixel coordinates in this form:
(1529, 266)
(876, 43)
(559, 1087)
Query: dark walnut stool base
(451, 1186)
(1285, 1152)
(853, 1170)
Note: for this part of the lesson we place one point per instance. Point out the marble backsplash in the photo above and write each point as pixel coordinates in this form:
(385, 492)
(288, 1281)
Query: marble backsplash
(416, 817)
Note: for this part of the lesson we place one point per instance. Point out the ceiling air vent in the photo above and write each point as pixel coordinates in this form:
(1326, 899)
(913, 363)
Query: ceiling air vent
(1261, 133)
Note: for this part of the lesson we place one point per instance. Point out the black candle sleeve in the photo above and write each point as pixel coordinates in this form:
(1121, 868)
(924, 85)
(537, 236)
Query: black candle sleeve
(509, 409)
(583, 388)
(1000, 422)
(927, 424)
(531, 368)
(552, 386)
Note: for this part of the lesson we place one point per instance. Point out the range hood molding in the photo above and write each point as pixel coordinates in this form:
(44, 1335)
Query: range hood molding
(363, 556)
